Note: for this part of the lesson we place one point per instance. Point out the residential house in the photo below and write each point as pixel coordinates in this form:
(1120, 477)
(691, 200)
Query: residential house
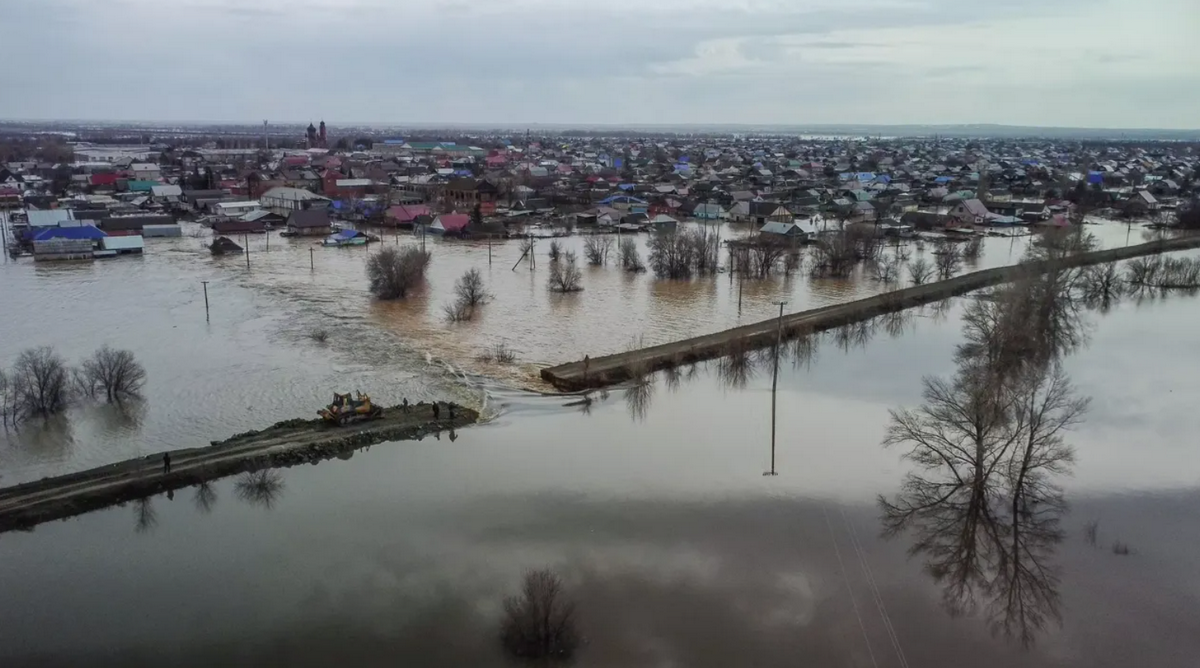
(405, 215)
(663, 223)
(66, 243)
(450, 224)
(309, 222)
(796, 230)
(239, 226)
(759, 212)
(132, 225)
(144, 171)
(284, 200)
(465, 193)
(970, 212)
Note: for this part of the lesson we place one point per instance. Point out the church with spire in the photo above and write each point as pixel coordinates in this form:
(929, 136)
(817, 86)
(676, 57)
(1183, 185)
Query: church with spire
(315, 137)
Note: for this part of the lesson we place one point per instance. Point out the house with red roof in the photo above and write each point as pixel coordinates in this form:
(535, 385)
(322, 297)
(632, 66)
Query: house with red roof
(405, 215)
(450, 224)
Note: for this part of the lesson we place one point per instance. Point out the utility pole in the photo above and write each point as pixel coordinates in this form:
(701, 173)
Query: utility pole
(246, 240)
(205, 284)
(775, 384)
(311, 265)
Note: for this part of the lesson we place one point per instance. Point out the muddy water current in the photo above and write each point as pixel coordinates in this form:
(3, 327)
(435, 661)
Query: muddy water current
(650, 502)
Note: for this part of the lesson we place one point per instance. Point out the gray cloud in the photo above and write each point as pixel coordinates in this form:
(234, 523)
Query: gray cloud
(520, 61)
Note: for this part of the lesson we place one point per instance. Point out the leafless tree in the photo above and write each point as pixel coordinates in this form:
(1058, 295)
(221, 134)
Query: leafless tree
(10, 409)
(260, 488)
(115, 373)
(973, 248)
(555, 250)
(145, 517)
(469, 293)
(947, 259)
(205, 497)
(597, 249)
(1102, 285)
(392, 272)
(1164, 273)
(540, 623)
(631, 259)
(887, 270)
(41, 382)
(565, 275)
(763, 255)
(920, 271)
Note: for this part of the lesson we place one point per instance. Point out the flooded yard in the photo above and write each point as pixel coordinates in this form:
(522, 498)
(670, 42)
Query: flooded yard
(651, 503)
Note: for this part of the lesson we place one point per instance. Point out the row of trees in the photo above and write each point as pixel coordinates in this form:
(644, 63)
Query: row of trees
(41, 383)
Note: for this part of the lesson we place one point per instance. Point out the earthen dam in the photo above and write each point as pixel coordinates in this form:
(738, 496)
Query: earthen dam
(609, 370)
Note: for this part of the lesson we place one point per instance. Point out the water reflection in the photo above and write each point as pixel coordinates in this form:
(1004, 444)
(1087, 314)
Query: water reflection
(260, 488)
(638, 396)
(145, 516)
(983, 506)
(205, 497)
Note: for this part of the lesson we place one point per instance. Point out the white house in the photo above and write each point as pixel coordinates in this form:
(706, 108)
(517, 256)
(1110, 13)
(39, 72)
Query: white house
(144, 171)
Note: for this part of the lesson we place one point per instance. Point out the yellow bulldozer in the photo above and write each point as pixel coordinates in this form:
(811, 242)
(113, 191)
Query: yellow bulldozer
(346, 409)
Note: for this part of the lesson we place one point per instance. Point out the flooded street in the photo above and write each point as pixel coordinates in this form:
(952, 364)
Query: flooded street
(651, 503)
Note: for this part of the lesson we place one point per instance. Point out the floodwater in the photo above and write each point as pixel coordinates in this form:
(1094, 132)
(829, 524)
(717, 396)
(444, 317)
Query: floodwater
(651, 503)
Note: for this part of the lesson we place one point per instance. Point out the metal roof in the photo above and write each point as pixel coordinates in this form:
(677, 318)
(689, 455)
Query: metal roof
(49, 217)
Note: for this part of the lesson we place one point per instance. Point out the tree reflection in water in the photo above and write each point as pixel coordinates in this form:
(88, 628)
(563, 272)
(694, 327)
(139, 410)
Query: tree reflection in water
(638, 396)
(145, 516)
(260, 488)
(205, 497)
(983, 505)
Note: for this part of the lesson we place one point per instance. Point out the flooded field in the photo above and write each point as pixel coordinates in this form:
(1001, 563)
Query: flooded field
(651, 503)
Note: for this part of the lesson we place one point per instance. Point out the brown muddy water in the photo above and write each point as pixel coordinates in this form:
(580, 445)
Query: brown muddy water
(652, 504)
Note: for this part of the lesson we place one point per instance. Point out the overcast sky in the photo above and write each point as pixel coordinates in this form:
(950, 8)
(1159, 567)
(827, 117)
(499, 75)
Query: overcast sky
(1083, 63)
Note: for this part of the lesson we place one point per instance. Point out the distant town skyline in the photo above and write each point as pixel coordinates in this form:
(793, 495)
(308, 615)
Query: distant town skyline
(1057, 63)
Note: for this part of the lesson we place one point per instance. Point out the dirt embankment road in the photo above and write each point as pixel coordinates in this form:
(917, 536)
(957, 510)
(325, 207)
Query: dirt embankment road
(612, 369)
(284, 444)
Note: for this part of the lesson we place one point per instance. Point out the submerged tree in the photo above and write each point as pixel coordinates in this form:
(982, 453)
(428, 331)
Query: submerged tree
(115, 373)
(597, 249)
(392, 273)
(631, 259)
(41, 382)
(565, 275)
(540, 622)
(469, 293)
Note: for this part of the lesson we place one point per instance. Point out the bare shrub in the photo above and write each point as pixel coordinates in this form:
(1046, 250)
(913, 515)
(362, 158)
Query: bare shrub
(1120, 548)
(836, 255)
(973, 248)
(469, 293)
(41, 382)
(597, 249)
(392, 272)
(1091, 532)
(631, 259)
(502, 354)
(763, 255)
(9, 408)
(499, 353)
(1057, 243)
(565, 275)
(540, 623)
(920, 271)
(1164, 273)
(887, 270)
(1102, 284)
(947, 260)
(555, 250)
(319, 335)
(116, 373)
